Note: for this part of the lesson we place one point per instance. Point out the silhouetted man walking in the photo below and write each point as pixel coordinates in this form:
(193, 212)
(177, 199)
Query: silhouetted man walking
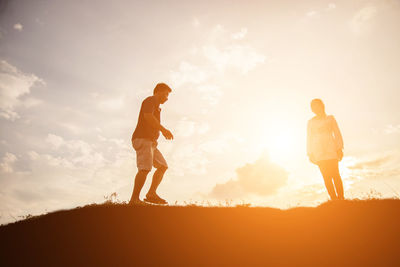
(144, 141)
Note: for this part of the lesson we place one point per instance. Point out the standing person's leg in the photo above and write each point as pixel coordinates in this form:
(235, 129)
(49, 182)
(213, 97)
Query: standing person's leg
(144, 161)
(334, 170)
(326, 174)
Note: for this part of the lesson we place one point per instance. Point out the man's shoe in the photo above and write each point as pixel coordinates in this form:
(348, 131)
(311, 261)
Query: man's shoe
(137, 203)
(155, 200)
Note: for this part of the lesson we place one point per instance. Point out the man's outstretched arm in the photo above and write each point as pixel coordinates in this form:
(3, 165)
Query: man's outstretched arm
(156, 124)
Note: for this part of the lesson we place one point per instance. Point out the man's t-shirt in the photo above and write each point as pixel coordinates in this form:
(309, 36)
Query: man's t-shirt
(143, 128)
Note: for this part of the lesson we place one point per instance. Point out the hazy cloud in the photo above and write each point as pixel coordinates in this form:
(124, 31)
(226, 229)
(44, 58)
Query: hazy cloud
(75, 152)
(309, 194)
(195, 22)
(375, 163)
(215, 146)
(188, 127)
(7, 162)
(112, 104)
(239, 35)
(261, 178)
(361, 20)
(18, 27)
(33, 155)
(316, 13)
(331, 6)
(187, 73)
(210, 93)
(220, 144)
(392, 129)
(13, 85)
(312, 13)
(241, 57)
(194, 160)
(54, 140)
(384, 166)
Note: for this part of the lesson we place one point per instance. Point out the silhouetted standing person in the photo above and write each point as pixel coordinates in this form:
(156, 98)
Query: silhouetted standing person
(325, 148)
(144, 141)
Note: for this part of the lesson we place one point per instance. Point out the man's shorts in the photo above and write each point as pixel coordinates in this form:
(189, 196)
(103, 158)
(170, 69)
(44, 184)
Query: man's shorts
(147, 154)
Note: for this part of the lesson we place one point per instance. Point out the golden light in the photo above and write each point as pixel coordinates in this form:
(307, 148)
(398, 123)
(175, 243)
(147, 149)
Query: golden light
(280, 141)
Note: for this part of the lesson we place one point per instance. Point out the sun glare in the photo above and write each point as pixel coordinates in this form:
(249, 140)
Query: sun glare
(281, 143)
(279, 146)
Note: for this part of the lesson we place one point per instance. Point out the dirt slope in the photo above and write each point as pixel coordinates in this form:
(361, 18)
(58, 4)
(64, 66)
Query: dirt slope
(347, 233)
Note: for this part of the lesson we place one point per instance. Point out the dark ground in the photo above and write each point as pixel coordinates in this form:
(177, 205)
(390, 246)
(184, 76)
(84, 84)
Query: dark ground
(348, 233)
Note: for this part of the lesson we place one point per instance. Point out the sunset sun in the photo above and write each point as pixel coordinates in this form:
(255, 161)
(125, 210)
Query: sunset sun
(280, 142)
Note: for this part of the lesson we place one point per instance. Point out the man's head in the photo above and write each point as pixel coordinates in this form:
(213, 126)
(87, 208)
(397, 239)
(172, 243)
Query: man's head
(317, 106)
(161, 91)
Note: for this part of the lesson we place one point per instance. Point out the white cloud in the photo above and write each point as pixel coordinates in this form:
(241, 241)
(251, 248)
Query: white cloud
(30, 102)
(115, 103)
(18, 27)
(13, 85)
(186, 127)
(331, 6)
(55, 181)
(379, 166)
(71, 127)
(33, 155)
(218, 29)
(244, 58)
(75, 152)
(360, 22)
(239, 35)
(7, 162)
(54, 140)
(195, 22)
(187, 73)
(392, 129)
(312, 13)
(221, 53)
(188, 159)
(211, 93)
(216, 146)
(220, 144)
(316, 13)
(261, 178)
(120, 143)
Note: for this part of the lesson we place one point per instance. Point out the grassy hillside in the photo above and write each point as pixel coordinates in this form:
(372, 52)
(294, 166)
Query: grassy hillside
(347, 233)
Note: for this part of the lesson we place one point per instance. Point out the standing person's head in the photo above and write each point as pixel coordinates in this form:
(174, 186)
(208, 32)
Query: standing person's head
(161, 91)
(318, 107)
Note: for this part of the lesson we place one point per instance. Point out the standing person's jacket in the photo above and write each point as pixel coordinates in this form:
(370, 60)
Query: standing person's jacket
(323, 138)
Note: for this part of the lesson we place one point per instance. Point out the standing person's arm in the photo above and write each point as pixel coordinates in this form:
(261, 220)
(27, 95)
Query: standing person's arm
(338, 138)
(309, 148)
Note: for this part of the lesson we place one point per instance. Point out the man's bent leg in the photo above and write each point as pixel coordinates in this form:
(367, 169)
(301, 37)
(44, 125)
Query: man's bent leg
(139, 182)
(157, 178)
(161, 165)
